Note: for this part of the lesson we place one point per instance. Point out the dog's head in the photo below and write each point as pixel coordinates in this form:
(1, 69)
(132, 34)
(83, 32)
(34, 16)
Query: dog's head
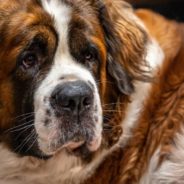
(64, 67)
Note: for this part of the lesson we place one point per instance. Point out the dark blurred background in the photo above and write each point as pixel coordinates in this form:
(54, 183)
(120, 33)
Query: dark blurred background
(173, 9)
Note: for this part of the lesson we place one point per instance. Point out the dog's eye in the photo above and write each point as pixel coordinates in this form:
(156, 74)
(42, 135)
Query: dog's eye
(29, 61)
(91, 52)
(90, 55)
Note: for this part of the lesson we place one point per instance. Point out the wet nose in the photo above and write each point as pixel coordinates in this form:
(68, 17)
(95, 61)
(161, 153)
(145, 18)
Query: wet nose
(75, 97)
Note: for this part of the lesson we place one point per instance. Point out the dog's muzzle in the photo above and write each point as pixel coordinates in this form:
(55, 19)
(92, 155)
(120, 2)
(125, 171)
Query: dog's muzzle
(70, 117)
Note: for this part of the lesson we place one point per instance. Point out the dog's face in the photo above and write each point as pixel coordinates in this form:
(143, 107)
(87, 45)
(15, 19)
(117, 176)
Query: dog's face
(60, 68)
(67, 101)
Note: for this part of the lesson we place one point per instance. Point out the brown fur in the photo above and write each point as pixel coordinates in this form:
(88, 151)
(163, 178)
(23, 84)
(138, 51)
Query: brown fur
(14, 39)
(126, 42)
(162, 115)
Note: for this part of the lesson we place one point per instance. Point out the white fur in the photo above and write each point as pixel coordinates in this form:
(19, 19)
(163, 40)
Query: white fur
(60, 169)
(148, 176)
(61, 14)
(154, 59)
(171, 170)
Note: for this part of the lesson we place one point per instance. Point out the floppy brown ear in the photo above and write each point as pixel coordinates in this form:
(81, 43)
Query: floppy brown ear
(122, 79)
(125, 41)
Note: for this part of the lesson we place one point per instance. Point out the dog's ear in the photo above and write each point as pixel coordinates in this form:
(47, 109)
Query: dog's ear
(125, 41)
(122, 79)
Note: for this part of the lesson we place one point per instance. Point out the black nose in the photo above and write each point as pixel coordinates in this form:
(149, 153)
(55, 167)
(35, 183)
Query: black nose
(74, 96)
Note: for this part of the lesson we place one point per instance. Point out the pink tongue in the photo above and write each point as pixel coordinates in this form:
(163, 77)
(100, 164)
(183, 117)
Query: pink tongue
(73, 145)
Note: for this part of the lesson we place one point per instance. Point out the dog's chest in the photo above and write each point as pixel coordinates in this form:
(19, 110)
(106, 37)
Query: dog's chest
(62, 168)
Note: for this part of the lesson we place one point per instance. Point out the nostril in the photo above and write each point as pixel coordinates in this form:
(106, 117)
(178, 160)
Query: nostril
(68, 103)
(87, 101)
(53, 100)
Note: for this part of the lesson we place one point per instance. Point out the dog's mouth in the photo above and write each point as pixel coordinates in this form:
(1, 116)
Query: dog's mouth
(81, 148)
(80, 144)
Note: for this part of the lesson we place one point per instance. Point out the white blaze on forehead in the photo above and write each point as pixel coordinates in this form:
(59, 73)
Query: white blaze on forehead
(62, 15)
(64, 64)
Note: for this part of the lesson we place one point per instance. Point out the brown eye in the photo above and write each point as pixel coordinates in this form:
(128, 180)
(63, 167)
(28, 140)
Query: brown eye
(29, 61)
(90, 56)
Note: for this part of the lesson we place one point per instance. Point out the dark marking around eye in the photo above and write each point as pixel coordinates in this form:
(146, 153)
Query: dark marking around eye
(29, 61)
(90, 52)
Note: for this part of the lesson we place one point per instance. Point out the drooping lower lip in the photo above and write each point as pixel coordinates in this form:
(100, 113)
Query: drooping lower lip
(76, 147)
(92, 146)
(73, 145)
(69, 146)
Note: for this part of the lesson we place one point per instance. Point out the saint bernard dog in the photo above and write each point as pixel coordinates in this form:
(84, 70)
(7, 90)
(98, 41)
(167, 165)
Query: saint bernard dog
(91, 92)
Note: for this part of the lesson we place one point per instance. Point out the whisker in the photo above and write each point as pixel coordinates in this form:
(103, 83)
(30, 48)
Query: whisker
(29, 116)
(26, 140)
(16, 138)
(24, 115)
(19, 127)
(35, 139)
(26, 127)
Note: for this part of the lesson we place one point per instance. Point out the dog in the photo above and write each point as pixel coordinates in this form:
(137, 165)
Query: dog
(91, 92)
